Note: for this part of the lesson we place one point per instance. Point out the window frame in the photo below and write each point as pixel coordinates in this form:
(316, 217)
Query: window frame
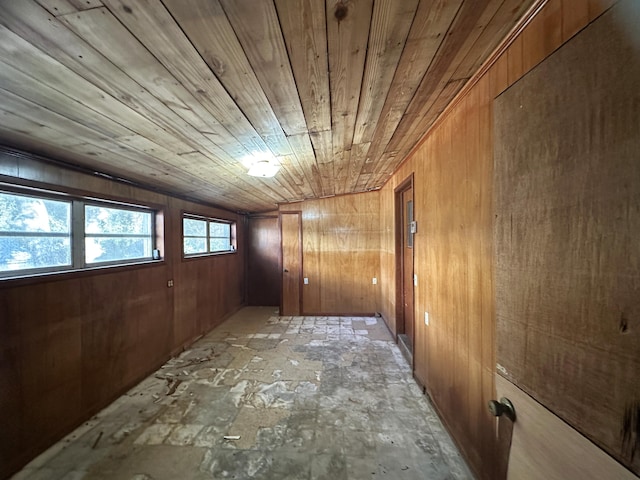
(77, 232)
(130, 208)
(209, 220)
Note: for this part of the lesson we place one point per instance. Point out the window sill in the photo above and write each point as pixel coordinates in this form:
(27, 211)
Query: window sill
(197, 256)
(61, 275)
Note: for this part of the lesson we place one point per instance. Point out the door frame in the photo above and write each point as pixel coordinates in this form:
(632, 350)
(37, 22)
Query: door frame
(403, 186)
(300, 281)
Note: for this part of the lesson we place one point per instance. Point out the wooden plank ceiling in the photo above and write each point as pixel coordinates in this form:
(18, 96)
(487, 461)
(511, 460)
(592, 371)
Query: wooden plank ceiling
(175, 94)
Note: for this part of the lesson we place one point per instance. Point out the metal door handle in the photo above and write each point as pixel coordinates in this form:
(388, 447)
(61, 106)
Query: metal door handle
(503, 407)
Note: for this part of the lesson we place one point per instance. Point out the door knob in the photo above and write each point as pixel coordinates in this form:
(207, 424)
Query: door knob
(503, 407)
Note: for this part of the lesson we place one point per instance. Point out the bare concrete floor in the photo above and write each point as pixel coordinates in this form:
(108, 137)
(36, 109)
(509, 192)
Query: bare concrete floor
(267, 397)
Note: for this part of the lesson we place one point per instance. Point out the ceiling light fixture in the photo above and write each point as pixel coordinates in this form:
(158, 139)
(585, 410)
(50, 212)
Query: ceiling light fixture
(263, 168)
(261, 165)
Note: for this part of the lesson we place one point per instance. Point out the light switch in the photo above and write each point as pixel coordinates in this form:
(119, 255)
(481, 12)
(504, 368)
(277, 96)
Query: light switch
(306, 281)
(426, 318)
(374, 281)
(415, 280)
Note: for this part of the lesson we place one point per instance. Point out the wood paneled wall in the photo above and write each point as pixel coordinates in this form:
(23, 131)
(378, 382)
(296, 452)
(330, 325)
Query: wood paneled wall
(566, 228)
(340, 253)
(455, 355)
(71, 343)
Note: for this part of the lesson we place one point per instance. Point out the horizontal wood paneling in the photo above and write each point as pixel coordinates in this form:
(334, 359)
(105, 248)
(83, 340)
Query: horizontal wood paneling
(70, 344)
(341, 253)
(453, 166)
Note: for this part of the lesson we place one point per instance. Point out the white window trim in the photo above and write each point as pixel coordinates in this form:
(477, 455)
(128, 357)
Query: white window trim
(208, 220)
(77, 235)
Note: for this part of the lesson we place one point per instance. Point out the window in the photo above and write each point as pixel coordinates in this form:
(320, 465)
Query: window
(113, 234)
(35, 233)
(47, 233)
(203, 236)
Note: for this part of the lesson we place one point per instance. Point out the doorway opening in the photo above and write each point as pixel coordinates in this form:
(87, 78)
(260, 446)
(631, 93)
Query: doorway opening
(404, 231)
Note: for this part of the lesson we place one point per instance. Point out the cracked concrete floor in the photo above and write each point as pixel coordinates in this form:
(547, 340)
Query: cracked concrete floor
(296, 398)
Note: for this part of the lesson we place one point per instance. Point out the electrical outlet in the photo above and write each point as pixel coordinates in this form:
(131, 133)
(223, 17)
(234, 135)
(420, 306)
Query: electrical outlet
(306, 281)
(426, 318)
(374, 281)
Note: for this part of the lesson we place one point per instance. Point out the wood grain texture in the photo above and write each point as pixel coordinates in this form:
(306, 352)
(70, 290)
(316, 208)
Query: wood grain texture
(209, 29)
(264, 275)
(347, 36)
(341, 241)
(431, 22)
(566, 331)
(63, 7)
(453, 175)
(257, 27)
(305, 33)
(91, 336)
(226, 81)
(292, 261)
(442, 68)
(545, 447)
(173, 50)
(389, 29)
(439, 82)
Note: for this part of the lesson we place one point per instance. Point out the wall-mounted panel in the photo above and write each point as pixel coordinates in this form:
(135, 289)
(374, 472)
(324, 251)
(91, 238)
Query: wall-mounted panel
(567, 199)
(453, 179)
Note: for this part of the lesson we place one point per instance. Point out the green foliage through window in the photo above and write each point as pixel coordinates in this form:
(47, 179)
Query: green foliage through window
(113, 234)
(202, 236)
(36, 234)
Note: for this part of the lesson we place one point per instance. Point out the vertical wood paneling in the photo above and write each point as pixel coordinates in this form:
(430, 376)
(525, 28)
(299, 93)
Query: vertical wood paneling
(559, 334)
(575, 15)
(598, 7)
(514, 61)
(91, 336)
(453, 174)
(341, 253)
(543, 36)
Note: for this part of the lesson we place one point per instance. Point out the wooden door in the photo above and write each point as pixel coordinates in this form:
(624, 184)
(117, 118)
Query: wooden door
(263, 266)
(291, 234)
(407, 264)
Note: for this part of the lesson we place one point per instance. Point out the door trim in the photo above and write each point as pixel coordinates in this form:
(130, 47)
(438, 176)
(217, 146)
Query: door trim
(403, 186)
(300, 282)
